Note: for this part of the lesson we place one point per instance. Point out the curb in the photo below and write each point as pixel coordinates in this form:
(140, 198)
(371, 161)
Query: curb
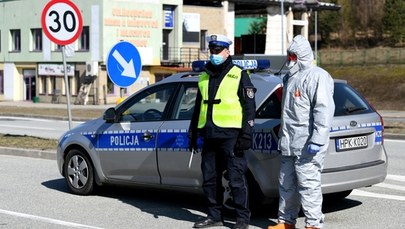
(43, 154)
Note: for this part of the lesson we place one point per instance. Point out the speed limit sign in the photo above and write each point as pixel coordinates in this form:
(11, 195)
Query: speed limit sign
(61, 21)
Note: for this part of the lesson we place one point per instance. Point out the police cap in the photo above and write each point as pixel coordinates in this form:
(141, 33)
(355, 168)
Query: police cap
(218, 40)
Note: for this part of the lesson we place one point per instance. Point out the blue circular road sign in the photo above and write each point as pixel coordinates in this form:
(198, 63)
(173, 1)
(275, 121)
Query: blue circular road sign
(124, 64)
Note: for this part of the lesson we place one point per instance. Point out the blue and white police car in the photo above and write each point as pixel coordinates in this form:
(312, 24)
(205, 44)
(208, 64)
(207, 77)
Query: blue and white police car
(143, 142)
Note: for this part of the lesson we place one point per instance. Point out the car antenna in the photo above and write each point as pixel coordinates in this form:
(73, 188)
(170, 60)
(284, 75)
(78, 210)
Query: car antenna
(282, 66)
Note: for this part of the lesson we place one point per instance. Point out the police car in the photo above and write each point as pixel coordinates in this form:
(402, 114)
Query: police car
(143, 142)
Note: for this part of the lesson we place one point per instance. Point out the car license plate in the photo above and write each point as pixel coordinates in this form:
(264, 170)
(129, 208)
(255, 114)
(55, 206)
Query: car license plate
(351, 143)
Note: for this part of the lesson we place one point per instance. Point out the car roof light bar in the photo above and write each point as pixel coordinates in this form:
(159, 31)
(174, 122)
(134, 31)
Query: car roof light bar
(198, 65)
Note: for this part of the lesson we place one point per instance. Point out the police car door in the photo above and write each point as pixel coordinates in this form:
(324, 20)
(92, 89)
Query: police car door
(177, 166)
(128, 146)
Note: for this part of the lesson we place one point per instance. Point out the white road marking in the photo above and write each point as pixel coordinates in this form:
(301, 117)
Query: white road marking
(47, 220)
(357, 192)
(395, 177)
(391, 186)
(394, 140)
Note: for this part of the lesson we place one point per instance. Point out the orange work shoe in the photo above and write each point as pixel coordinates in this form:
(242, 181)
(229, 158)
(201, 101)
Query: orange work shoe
(282, 226)
(309, 227)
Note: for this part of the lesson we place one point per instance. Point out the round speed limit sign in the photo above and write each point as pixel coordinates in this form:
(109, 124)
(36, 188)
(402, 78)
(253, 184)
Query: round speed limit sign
(61, 21)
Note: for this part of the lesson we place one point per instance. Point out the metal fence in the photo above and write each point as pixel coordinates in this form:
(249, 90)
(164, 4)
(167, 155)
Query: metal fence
(362, 56)
(182, 56)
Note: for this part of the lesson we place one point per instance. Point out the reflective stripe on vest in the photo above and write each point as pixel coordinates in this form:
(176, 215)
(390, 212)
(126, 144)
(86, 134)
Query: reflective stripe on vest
(227, 110)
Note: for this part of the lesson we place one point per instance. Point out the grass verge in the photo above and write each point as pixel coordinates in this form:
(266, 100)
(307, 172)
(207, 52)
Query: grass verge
(27, 142)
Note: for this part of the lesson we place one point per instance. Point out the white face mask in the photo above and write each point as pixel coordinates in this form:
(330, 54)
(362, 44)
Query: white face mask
(290, 64)
(291, 60)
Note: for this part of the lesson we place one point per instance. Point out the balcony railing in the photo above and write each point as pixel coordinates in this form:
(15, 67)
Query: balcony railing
(182, 56)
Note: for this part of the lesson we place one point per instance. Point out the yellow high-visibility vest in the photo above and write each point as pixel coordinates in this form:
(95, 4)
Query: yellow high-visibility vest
(227, 110)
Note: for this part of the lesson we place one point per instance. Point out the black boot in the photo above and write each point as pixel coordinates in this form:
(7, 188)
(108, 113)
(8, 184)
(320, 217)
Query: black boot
(208, 222)
(240, 225)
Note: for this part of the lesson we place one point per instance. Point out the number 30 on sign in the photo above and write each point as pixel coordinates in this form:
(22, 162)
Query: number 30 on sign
(61, 21)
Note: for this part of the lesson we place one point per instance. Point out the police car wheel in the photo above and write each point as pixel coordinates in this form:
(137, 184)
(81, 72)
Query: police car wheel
(79, 172)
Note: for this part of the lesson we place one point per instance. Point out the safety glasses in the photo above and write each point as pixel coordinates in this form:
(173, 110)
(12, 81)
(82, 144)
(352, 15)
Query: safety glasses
(291, 56)
(216, 50)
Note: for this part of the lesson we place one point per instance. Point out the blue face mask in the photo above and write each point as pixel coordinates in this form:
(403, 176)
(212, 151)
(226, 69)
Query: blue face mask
(216, 59)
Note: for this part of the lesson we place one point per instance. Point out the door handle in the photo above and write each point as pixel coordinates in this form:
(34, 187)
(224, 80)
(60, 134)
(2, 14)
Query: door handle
(147, 136)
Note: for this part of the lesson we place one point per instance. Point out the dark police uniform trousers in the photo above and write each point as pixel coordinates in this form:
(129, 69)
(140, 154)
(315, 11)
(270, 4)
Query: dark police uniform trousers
(218, 155)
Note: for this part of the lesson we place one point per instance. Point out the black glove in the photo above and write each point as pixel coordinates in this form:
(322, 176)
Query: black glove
(192, 142)
(244, 142)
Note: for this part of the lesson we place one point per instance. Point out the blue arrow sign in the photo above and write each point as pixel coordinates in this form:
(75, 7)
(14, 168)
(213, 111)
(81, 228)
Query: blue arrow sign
(124, 64)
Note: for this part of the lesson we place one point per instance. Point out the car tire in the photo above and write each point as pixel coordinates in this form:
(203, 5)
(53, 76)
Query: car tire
(79, 172)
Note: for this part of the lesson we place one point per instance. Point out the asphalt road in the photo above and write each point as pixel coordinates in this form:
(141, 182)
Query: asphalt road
(34, 195)
(44, 128)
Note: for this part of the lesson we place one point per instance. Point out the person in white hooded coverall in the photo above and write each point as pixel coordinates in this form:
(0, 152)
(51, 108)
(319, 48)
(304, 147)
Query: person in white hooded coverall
(307, 112)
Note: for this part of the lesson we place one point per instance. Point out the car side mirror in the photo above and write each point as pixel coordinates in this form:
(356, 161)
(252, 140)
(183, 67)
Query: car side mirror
(110, 115)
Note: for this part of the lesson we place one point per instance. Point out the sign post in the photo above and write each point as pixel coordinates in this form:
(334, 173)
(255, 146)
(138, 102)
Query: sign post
(62, 23)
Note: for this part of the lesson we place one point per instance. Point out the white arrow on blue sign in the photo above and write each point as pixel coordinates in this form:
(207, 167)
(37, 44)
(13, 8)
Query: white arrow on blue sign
(124, 64)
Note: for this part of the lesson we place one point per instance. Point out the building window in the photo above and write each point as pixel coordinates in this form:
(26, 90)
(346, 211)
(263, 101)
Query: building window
(42, 85)
(203, 40)
(1, 82)
(58, 48)
(36, 39)
(15, 40)
(110, 86)
(84, 40)
(77, 83)
(53, 85)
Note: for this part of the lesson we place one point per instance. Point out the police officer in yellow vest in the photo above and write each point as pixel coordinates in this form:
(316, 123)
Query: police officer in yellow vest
(224, 117)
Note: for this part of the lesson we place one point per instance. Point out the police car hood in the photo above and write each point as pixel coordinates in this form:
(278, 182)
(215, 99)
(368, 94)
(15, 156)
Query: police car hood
(88, 126)
(265, 84)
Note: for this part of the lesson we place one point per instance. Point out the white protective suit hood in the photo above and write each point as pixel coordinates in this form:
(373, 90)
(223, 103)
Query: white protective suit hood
(301, 47)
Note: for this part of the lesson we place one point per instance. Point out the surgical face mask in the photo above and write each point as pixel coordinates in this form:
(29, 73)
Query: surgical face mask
(290, 64)
(216, 59)
(291, 60)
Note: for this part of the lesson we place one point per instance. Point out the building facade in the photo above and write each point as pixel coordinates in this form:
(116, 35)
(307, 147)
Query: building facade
(31, 65)
(168, 34)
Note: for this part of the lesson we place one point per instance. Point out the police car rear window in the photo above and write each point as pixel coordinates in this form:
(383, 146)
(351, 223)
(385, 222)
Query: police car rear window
(348, 101)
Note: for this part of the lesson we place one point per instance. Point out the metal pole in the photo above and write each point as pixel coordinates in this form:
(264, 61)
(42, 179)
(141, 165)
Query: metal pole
(67, 87)
(282, 27)
(316, 36)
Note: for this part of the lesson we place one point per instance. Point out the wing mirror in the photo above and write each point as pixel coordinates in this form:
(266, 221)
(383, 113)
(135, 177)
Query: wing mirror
(110, 115)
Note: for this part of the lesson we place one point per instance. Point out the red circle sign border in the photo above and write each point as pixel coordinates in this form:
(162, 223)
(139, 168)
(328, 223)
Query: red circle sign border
(49, 35)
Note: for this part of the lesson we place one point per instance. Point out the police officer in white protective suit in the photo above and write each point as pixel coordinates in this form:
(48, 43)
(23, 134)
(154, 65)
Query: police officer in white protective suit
(307, 112)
